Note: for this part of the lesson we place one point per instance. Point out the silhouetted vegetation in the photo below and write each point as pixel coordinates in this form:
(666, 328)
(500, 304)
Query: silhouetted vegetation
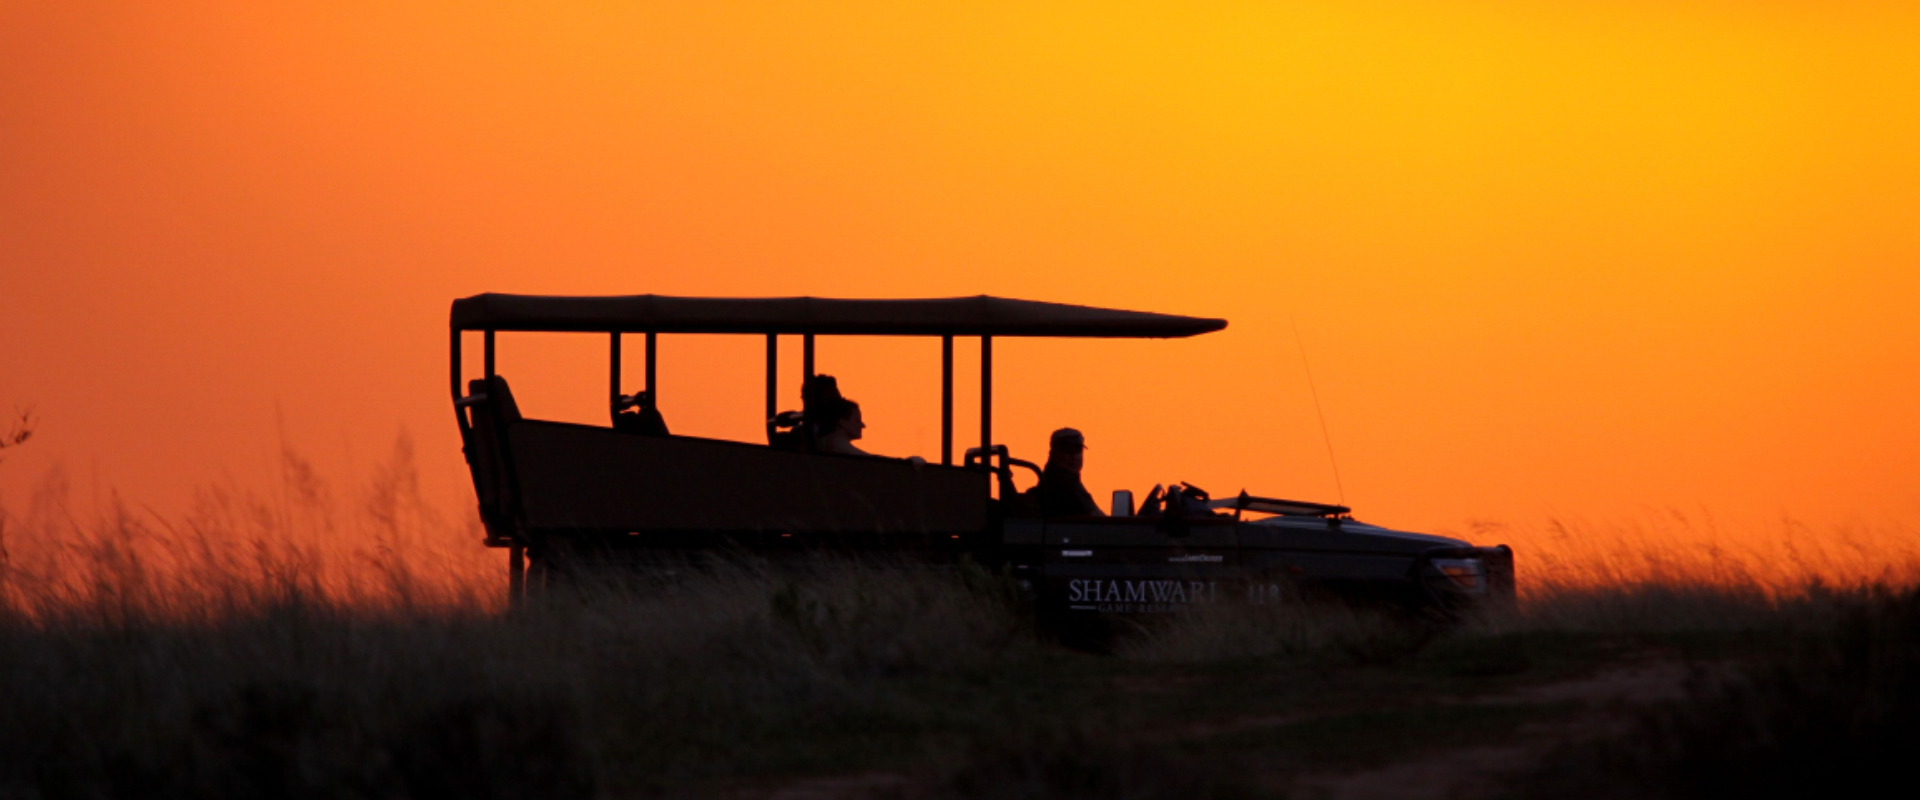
(19, 430)
(350, 642)
(1828, 710)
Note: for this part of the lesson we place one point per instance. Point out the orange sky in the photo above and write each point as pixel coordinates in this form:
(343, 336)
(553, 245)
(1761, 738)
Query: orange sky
(1581, 258)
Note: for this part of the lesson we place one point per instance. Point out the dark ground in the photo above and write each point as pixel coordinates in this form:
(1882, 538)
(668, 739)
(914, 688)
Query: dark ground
(861, 681)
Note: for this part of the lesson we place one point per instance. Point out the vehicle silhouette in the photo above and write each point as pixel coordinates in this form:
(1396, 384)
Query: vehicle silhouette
(567, 499)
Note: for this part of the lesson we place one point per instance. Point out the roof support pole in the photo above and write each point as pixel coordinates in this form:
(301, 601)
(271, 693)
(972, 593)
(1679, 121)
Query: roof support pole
(946, 400)
(613, 371)
(986, 396)
(773, 375)
(456, 365)
(806, 355)
(653, 342)
(459, 414)
(516, 554)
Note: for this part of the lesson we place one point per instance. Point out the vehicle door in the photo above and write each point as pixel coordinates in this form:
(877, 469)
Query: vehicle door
(1136, 566)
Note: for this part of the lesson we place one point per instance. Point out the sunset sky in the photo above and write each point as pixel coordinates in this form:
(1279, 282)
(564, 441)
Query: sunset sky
(1545, 258)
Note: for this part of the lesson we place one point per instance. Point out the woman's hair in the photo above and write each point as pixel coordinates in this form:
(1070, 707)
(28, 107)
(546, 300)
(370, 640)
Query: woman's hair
(822, 406)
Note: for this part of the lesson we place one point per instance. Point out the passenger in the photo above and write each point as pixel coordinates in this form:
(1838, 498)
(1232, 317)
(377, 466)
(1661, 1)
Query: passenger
(833, 421)
(846, 428)
(821, 407)
(1060, 490)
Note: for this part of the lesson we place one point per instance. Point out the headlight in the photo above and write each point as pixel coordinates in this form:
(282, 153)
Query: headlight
(1466, 573)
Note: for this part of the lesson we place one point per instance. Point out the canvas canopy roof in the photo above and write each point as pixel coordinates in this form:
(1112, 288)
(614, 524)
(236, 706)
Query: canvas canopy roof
(957, 316)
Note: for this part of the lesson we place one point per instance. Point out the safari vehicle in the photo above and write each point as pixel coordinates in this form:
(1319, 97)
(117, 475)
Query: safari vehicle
(566, 497)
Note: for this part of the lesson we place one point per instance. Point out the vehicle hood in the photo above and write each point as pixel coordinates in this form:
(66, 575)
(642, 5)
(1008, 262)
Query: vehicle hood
(1357, 528)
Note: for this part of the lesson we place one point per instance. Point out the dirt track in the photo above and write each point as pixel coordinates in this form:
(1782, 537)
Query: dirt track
(1602, 704)
(1605, 700)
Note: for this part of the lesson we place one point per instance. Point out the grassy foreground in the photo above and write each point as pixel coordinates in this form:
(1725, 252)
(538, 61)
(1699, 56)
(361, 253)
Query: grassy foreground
(332, 640)
(855, 679)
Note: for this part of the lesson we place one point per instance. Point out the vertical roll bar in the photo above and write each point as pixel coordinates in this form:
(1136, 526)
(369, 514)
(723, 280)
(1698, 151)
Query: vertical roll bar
(459, 414)
(946, 400)
(653, 353)
(613, 369)
(986, 396)
(516, 553)
(806, 354)
(773, 375)
(457, 389)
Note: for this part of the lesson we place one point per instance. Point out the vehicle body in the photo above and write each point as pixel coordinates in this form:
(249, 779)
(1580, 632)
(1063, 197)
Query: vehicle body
(566, 497)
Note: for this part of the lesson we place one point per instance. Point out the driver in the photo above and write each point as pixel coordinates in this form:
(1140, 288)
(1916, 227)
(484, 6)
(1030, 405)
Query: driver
(1060, 490)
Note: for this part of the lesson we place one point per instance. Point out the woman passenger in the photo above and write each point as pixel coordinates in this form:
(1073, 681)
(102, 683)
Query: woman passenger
(821, 407)
(847, 427)
(832, 421)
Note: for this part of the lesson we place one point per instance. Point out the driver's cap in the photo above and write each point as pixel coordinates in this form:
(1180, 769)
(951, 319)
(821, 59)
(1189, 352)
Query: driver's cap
(1067, 439)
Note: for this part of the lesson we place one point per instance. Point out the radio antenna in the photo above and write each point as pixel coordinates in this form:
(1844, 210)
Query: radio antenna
(1324, 435)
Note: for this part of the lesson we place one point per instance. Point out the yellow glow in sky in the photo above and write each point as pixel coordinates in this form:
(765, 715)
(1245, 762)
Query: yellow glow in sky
(1545, 257)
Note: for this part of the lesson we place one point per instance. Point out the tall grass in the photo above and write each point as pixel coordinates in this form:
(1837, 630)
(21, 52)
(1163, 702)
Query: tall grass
(734, 669)
(1827, 711)
(377, 542)
(318, 641)
(1672, 548)
(349, 639)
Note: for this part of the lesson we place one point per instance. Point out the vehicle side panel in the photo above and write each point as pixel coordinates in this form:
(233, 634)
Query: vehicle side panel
(1128, 567)
(1120, 566)
(578, 478)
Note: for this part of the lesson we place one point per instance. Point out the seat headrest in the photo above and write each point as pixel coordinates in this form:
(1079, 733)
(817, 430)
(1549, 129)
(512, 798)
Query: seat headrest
(499, 396)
